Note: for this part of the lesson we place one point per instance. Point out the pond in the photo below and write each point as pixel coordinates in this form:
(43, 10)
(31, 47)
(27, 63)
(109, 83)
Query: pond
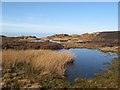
(53, 41)
(87, 63)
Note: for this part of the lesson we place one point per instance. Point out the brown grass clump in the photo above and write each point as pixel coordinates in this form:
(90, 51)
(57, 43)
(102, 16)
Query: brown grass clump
(43, 60)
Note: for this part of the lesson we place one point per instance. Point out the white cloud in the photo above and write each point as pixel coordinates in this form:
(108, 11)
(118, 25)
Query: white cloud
(29, 27)
(9, 27)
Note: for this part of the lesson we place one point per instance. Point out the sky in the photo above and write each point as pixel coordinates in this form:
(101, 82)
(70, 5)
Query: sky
(40, 18)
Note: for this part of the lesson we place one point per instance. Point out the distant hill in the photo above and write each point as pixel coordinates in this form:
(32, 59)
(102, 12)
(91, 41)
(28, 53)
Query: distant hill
(2, 36)
(110, 35)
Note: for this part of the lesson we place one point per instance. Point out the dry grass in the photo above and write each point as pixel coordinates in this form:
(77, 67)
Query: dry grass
(45, 60)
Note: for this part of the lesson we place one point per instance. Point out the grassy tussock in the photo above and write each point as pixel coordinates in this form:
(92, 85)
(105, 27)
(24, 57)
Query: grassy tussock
(44, 60)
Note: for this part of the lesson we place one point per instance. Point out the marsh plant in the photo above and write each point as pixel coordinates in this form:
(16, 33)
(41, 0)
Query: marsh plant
(52, 62)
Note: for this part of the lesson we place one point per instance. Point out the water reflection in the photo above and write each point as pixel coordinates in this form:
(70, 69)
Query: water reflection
(87, 63)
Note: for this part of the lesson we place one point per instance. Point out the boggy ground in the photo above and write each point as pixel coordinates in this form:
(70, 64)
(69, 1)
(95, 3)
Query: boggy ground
(18, 44)
(33, 68)
(46, 69)
(28, 75)
(105, 41)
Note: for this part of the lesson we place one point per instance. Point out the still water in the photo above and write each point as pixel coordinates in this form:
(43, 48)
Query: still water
(87, 63)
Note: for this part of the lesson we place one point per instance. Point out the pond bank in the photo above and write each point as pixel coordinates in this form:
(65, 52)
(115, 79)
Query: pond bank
(106, 80)
(110, 49)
